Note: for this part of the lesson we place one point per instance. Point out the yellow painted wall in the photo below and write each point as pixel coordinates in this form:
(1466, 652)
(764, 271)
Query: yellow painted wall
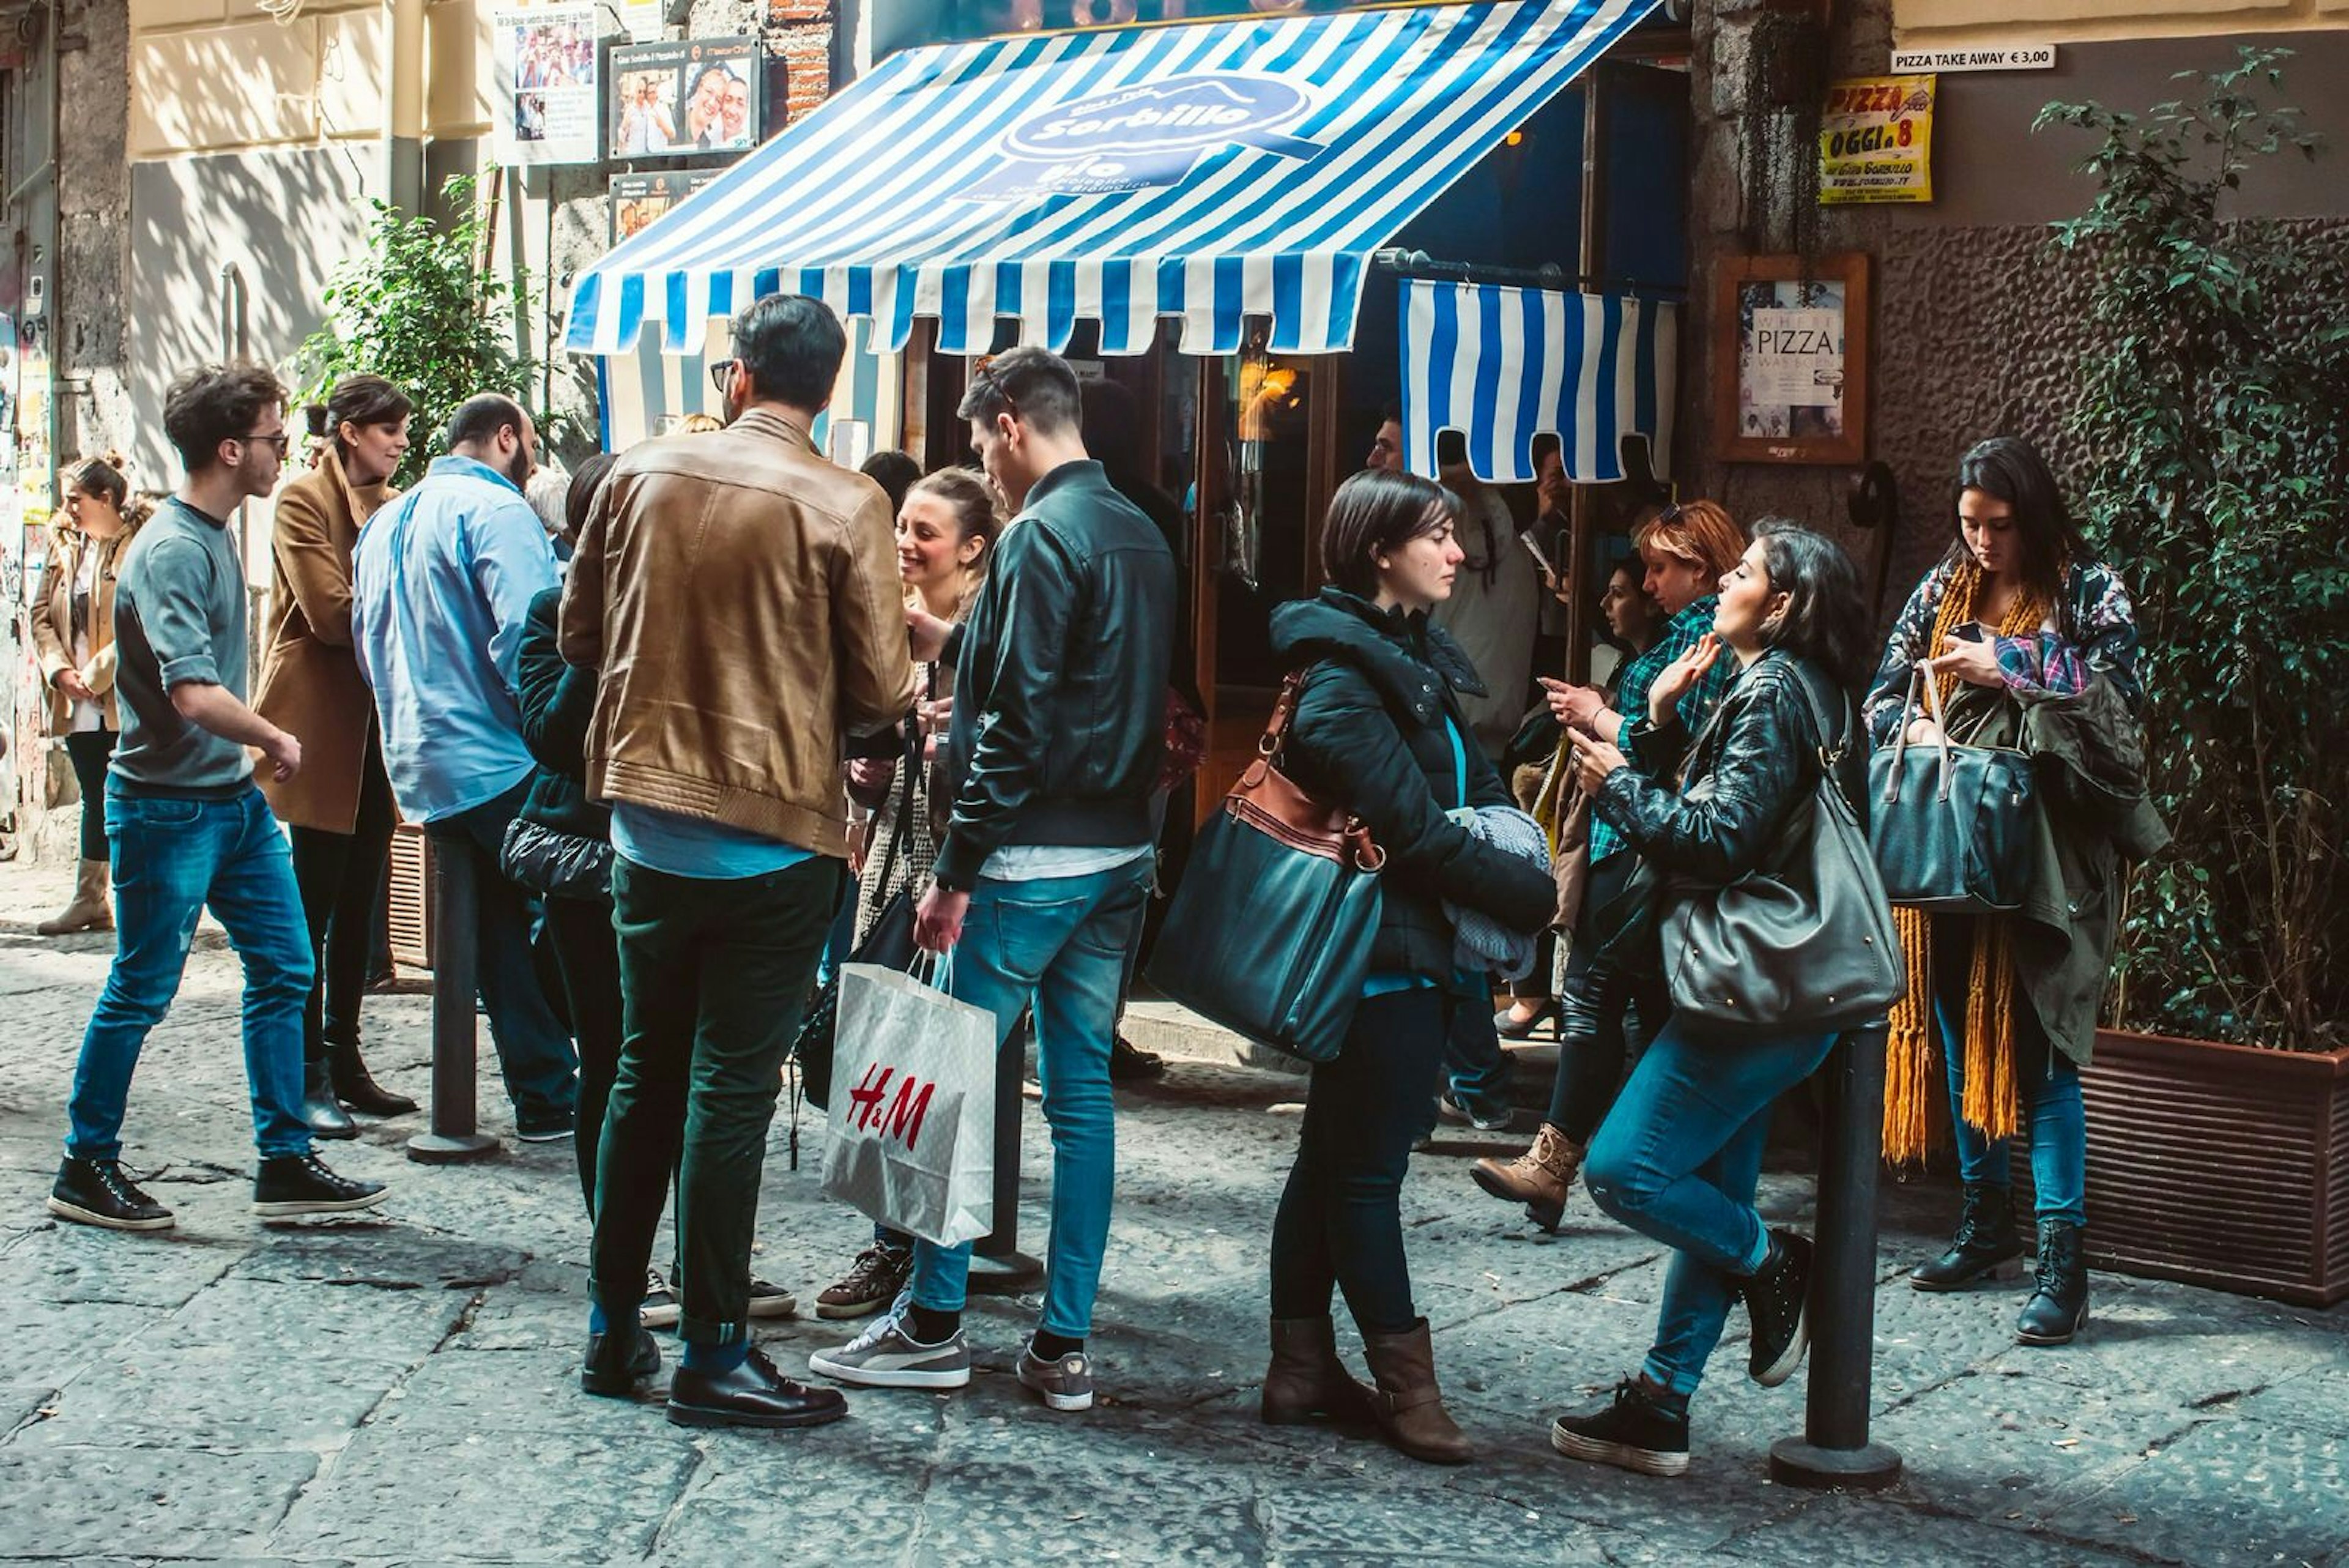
(223, 75)
(1921, 23)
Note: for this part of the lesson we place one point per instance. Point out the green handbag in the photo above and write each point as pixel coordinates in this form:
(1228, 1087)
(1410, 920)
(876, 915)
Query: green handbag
(1952, 827)
(1270, 933)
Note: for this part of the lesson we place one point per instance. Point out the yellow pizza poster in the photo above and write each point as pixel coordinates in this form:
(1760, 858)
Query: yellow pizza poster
(1876, 141)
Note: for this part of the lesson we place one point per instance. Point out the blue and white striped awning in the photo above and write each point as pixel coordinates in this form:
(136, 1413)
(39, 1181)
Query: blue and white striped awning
(1210, 172)
(1501, 366)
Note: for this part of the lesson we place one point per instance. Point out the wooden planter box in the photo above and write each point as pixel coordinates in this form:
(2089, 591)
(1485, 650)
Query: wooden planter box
(409, 919)
(2219, 1165)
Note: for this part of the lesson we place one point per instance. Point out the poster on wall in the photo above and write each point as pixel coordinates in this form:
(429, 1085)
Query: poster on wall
(1798, 334)
(1876, 141)
(637, 199)
(671, 100)
(545, 77)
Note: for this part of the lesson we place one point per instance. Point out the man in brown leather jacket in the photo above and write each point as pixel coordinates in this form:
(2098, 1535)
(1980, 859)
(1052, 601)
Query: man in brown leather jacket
(741, 596)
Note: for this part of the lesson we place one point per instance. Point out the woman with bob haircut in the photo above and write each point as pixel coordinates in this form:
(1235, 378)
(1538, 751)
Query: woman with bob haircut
(1378, 730)
(1678, 1156)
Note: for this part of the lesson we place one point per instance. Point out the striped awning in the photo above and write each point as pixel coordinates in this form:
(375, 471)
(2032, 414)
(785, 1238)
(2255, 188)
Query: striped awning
(1210, 172)
(1501, 366)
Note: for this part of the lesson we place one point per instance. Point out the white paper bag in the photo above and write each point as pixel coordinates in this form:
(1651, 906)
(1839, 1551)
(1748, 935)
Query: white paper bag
(912, 1138)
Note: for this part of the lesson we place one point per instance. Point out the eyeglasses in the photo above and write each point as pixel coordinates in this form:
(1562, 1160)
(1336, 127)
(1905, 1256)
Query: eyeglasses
(983, 375)
(281, 440)
(721, 374)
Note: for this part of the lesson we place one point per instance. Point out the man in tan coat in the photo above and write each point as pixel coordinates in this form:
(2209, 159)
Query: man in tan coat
(740, 597)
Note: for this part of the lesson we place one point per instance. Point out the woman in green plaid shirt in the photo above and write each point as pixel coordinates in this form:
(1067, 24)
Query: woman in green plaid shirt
(1687, 548)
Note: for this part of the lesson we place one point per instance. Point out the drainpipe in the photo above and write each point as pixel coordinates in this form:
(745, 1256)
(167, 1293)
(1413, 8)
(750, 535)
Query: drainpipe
(403, 106)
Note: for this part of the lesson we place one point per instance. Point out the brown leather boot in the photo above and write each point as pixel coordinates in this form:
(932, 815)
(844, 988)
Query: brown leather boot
(89, 910)
(1540, 1179)
(1307, 1382)
(1408, 1404)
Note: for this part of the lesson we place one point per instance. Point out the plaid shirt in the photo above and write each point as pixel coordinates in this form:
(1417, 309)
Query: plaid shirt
(1632, 701)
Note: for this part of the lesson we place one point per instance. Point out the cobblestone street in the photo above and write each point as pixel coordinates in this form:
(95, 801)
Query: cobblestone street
(403, 1388)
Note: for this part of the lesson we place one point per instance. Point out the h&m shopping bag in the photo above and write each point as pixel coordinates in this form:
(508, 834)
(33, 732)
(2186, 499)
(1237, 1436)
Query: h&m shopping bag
(912, 1139)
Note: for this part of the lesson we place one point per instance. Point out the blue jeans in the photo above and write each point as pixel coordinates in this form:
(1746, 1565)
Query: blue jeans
(1679, 1158)
(171, 857)
(2050, 1083)
(1062, 940)
(540, 1065)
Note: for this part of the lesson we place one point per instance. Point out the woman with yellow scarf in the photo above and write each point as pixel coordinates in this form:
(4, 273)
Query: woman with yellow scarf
(2019, 614)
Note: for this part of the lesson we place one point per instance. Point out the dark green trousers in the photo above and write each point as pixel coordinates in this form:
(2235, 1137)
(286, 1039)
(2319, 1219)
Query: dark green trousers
(714, 978)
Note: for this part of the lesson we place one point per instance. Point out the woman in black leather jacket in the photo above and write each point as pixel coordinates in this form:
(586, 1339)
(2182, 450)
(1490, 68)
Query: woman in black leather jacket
(1678, 1156)
(1378, 730)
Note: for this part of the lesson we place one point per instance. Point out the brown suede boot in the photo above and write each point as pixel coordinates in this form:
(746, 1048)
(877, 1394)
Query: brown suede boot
(1408, 1404)
(89, 910)
(1540, 1179)
(1307, 1382)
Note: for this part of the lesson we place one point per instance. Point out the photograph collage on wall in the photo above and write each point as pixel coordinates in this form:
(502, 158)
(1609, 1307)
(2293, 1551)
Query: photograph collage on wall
(547, 84)
(677, 99)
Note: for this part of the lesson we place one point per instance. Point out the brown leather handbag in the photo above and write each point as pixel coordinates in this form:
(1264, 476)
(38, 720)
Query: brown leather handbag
(1270, 932)
(1564, 810)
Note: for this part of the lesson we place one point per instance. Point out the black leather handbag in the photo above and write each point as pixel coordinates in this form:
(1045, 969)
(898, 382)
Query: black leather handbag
(1270, 933)
(1804, 945)
(1952, 827)
(889, 944)
(559, 865)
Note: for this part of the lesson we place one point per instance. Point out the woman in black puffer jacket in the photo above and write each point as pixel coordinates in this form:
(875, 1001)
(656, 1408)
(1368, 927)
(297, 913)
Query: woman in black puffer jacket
(1378, 730)
(1680, 1155)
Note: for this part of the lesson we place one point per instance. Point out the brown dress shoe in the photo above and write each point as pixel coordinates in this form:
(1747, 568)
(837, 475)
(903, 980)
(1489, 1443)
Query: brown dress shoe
(1307, 1382)
(1408, 1406)
(1540, 1179)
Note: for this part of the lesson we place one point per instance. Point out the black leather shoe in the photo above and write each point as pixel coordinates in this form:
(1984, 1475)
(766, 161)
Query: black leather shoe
(2058, 1306)
(753, 1395)
(1984, 1246)
(301, 1184)
(321, 1110)
(619, 1364)
(1130, 1063)
(1776, 1303)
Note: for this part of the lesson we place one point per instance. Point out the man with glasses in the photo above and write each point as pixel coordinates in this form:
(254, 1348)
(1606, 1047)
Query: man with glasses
(441, 584)
(1057, 733)
(188, 826)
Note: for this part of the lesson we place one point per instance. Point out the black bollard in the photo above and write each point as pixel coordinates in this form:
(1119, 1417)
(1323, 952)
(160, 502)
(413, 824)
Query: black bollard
(1834, 1451)
(997, 1266)
(456, 940)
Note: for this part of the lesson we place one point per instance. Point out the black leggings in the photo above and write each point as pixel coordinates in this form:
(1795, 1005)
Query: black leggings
(89, 751)
(339, 875)
(1340, 1225)
(1606, 1015)
(587, 951)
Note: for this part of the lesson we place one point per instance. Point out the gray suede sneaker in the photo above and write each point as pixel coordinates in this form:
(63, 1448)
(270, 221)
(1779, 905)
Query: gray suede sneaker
(885, 1356)
(1063, 1385)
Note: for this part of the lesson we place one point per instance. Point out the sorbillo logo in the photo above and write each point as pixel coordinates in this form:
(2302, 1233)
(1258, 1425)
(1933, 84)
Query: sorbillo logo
(1137, 137)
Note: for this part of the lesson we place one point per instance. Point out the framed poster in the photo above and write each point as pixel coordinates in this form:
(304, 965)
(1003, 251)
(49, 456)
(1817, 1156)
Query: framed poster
(636, 200)
(674, 100)
(546, 85)
(1798, 351)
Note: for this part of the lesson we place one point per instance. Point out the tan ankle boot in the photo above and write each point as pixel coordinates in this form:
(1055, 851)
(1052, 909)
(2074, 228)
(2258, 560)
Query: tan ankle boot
(1408, 1404)
(1540, 1179)
(89, 910)
(1307, 1382)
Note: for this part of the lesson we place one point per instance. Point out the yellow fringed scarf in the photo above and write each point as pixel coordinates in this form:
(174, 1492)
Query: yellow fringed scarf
(1992, 1103)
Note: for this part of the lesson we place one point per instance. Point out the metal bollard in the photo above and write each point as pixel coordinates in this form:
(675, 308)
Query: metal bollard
(1834, 1451)
(456, 940)
(997, 1266)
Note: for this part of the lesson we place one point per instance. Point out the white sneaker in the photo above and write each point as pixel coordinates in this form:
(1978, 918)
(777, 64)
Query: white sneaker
(885, 1356)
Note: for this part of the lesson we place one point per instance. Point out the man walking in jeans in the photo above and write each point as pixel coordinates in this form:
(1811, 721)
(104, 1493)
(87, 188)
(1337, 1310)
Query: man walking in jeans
(740, 595)
(188, 826)
(441, 584)
(1060, 697)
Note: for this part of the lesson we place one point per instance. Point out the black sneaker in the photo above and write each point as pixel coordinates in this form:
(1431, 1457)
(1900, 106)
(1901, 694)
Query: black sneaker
(1450, 1107)
(545, 1126)
(1644, 1430)
(96, 1192)
(301, 1184)
(1776, 1304)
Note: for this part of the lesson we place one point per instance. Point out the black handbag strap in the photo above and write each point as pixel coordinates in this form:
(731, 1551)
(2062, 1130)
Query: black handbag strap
(909, 766)
(1830, 754)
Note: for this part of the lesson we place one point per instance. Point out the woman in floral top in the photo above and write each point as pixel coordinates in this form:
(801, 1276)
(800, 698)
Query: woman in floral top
(2019, 614)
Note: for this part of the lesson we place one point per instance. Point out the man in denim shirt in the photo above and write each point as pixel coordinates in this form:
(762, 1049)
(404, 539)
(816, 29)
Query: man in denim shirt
(442, 580)
(188, 826)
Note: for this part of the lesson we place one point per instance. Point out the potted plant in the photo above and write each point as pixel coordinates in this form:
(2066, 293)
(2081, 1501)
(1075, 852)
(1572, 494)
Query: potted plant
(2215, 426)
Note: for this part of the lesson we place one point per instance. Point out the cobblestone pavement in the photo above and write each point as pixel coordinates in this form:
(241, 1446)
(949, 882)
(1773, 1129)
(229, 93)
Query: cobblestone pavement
(403, 1389)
